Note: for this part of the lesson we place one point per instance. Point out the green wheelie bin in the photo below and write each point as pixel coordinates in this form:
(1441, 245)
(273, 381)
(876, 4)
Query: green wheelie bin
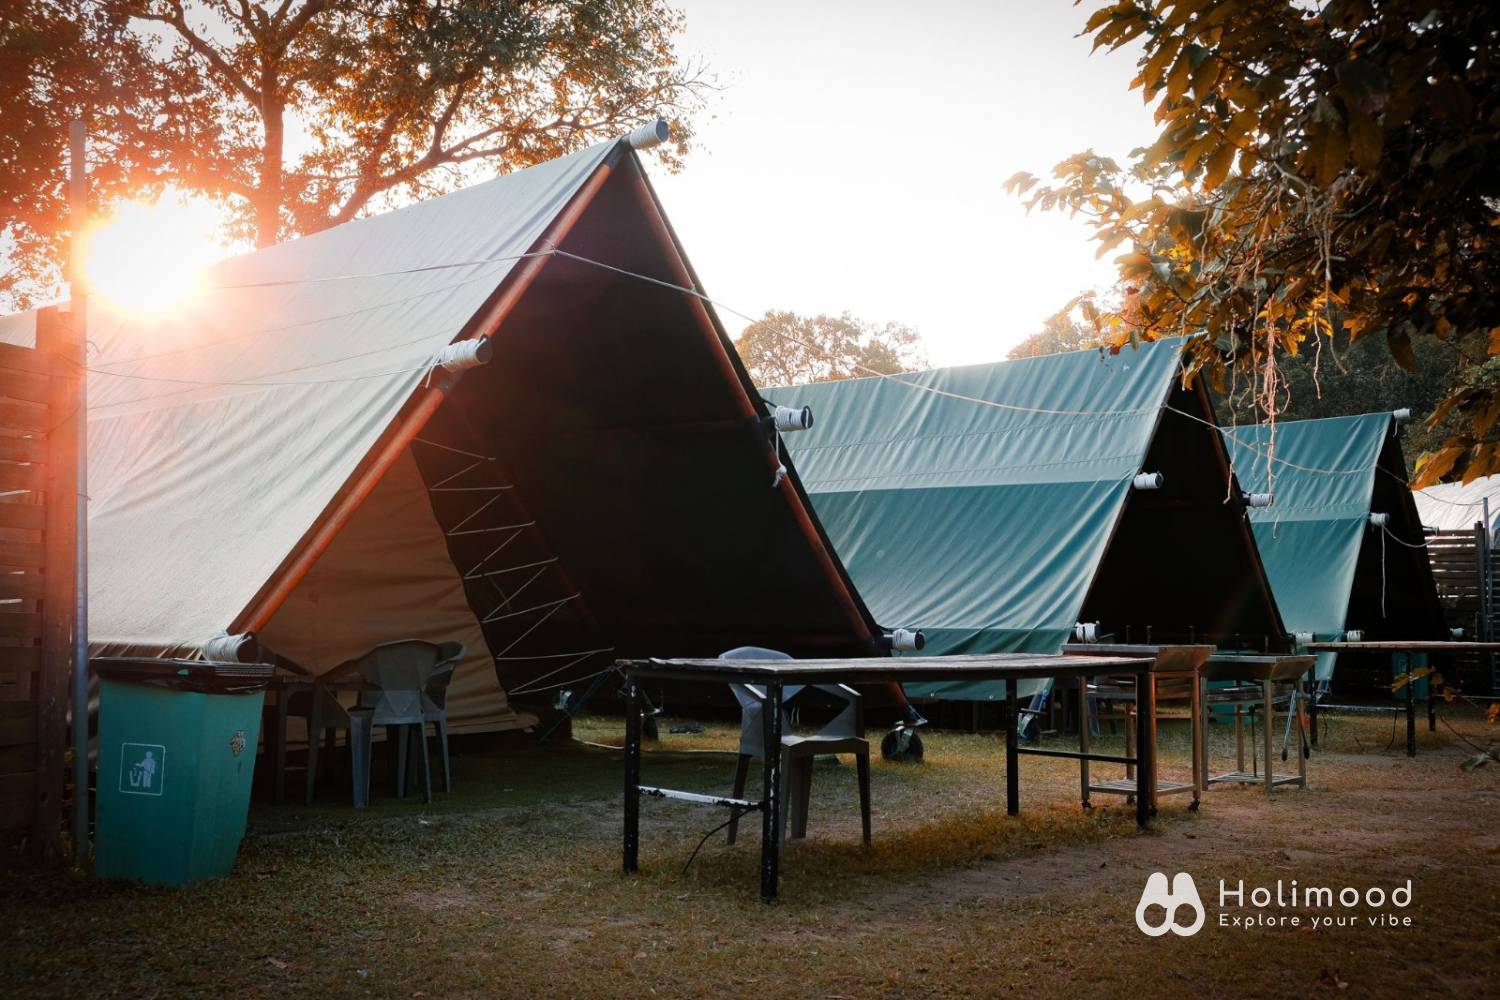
(177, 741)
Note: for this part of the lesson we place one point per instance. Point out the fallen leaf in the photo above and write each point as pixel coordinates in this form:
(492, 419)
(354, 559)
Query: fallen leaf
(1331, 981)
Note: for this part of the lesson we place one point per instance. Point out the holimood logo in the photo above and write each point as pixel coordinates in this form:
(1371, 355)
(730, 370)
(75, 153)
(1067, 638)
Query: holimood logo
(1182, 894)
(1290, 905)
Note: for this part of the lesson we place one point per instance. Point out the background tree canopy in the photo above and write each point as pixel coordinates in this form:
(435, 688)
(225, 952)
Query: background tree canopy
(1321, 169)
(783, 348)
(394, 100)
(1060, 332)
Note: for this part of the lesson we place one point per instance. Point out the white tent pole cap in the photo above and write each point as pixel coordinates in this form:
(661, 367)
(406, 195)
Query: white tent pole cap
(905, 640)
(1148, 481)
(1403, 415)
(792, 418)
(648, 135)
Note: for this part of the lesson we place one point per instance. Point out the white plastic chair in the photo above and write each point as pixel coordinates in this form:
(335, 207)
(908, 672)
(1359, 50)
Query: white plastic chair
(843, 734)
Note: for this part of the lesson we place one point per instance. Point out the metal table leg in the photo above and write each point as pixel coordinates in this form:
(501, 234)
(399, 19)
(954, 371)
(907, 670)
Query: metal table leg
(279, 736)
(1084, 723)
(770, 817)
(1411, 707)
(1195, 738)
(1012, 772)
(633, 776)
(1145, 744)
(1269, 740)
(1239, 737)
(1301, 735)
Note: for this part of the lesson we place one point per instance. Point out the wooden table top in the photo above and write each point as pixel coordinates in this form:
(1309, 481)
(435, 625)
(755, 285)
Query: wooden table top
(1169, 658)
(1257, 666)
(983, 667)
(1410, 646)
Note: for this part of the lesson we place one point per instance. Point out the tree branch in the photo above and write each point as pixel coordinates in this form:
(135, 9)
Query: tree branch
(178, 20)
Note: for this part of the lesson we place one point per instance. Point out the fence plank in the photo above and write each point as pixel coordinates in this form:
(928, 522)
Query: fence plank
(27, 627)
(15, 448)
(25, 359)
(25, 416)
(29, 386)
(23, 516)
(21, 586)
(21, 477)
(60, 354)
(22, 555)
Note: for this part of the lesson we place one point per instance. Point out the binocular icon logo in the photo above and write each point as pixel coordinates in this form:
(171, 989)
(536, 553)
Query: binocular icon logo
(1183, 893)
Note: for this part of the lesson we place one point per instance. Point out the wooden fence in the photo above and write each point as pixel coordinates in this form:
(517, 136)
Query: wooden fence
(1464, 566)
(38, 490)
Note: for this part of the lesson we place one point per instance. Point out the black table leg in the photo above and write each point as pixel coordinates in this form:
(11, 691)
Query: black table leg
(279, 743)
(1411, 708)
(632, 776)
(1145, 748)
(1432, 705)
(1012, 754)
(770, 817)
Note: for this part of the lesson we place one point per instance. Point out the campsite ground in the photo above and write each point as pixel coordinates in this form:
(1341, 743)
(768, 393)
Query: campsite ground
(510, 886)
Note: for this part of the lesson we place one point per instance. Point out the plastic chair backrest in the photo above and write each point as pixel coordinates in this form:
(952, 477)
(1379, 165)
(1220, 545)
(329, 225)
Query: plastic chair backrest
(399, 671)
(449, 653)
(752, 699)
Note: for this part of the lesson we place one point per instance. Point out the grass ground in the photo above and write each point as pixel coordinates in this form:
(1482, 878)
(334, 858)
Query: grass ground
(511, 886)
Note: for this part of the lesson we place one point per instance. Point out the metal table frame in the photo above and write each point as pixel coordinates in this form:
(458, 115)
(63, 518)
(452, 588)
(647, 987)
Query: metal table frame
(774, 675)
(1268, 670)
(1402, 654)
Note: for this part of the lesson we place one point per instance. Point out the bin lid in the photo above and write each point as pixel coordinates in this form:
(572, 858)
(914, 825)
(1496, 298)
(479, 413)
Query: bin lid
(208, 676)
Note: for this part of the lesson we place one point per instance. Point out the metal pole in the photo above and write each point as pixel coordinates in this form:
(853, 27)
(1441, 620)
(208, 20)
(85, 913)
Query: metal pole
(78, 306)
(632, 833)
(770, 817)
(1012, 751)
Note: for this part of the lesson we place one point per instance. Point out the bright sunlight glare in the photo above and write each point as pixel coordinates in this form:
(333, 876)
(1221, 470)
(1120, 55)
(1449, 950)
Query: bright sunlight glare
(150, 257)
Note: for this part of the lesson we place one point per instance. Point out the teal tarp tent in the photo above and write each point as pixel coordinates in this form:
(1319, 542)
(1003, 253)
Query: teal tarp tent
(1330, 568)
(992, 506)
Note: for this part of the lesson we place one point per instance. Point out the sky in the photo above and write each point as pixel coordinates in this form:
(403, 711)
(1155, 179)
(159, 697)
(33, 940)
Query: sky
(855, 161)
(852, 161)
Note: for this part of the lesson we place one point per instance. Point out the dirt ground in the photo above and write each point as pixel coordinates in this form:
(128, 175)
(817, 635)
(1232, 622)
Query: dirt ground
(510, 886)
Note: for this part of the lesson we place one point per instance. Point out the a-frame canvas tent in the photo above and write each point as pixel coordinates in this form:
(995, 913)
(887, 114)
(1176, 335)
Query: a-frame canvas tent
(280, 456)
(1332, 569)
(992, 505)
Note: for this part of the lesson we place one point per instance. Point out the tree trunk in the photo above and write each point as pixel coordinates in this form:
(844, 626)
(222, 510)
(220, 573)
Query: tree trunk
(268, 193)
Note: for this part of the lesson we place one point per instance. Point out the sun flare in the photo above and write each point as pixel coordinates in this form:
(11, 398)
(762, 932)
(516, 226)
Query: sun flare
(149, 257)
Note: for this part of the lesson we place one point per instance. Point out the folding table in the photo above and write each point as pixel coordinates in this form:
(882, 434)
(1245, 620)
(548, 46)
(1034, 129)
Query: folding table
(774, 675)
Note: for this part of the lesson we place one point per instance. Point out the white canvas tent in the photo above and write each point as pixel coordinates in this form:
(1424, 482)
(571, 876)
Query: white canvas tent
(1460, 506)
(280, 455)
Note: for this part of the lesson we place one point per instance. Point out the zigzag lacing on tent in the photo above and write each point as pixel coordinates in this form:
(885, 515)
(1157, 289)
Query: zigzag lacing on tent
(490, 581)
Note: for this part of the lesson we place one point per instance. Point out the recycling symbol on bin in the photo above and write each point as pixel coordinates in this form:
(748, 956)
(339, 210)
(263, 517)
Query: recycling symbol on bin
(237, 743)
